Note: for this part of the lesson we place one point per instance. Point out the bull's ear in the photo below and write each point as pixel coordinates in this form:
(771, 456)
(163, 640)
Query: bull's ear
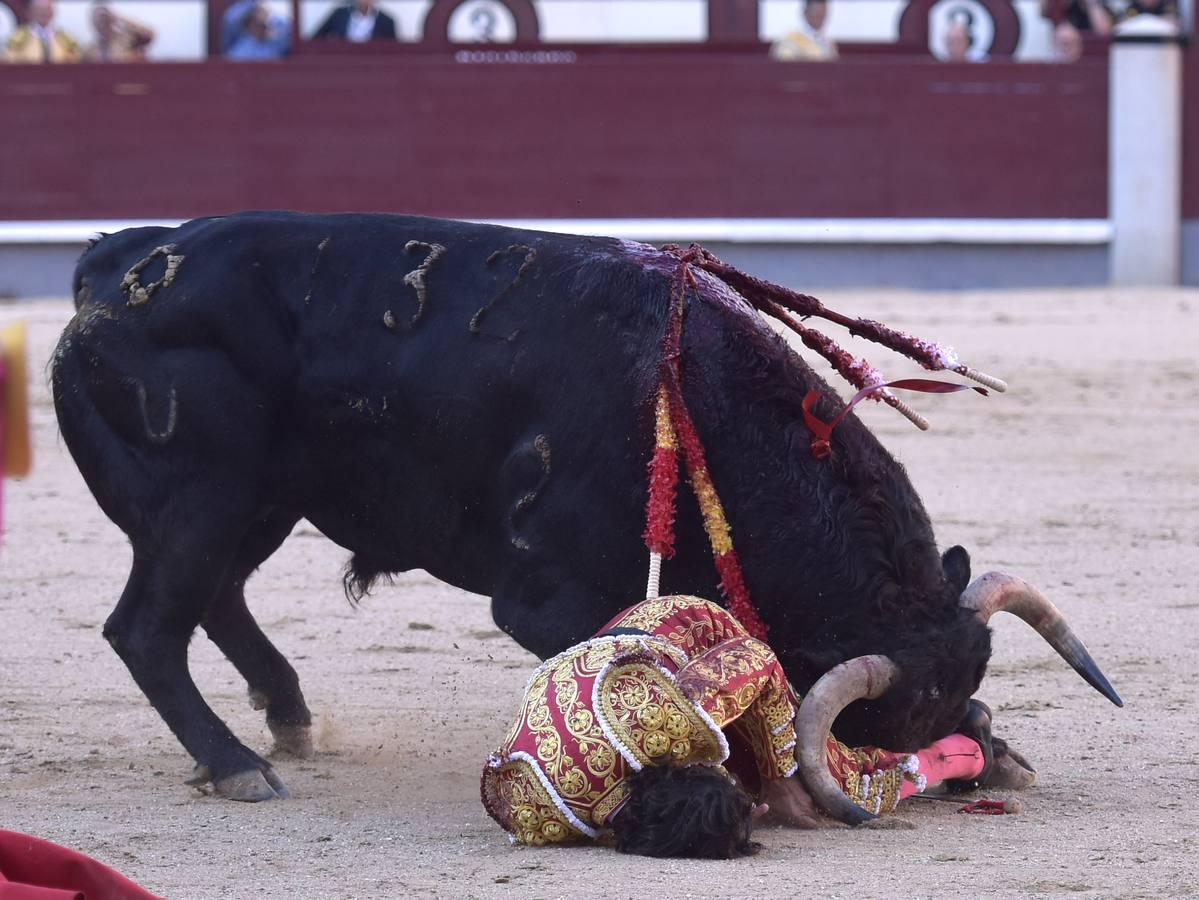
(956, 563)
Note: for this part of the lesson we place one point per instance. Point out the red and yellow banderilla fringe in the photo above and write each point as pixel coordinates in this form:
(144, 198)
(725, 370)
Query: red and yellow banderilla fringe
(663, 484)
(675, 430)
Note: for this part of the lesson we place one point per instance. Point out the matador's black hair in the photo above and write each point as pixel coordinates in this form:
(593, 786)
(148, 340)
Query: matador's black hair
(685, 811)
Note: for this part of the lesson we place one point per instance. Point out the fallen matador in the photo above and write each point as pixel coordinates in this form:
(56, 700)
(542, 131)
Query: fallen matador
(664, 729)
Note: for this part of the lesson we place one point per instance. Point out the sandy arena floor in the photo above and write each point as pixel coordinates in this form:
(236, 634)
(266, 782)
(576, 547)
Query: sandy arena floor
(1084, 479)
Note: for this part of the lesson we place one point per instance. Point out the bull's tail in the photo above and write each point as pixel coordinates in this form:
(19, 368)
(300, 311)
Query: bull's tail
(77, 283)
(97, 405)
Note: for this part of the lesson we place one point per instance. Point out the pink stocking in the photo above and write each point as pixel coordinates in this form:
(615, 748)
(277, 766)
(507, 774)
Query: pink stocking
(956, 756)
(3, 387)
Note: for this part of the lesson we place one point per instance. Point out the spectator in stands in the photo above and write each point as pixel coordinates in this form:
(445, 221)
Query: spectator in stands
(810, 42)
(118, 39)
(359, 21)
(40, 41)
(250, 31)
(1087, 16)
(959, 44)
(1167, 9)
(1067, 43)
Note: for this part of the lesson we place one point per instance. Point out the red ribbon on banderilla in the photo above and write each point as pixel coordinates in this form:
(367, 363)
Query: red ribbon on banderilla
(822, 432)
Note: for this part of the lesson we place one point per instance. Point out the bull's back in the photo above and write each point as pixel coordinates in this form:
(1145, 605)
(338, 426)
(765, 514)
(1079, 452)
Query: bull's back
(394, 371)
(361, 289)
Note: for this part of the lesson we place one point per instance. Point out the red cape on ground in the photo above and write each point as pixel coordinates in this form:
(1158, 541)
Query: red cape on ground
(33, 869)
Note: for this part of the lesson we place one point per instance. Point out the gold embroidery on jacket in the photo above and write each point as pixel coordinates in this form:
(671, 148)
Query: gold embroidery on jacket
(655, 721)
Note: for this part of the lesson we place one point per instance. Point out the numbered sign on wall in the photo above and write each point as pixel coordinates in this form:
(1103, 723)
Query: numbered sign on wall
(482, 22)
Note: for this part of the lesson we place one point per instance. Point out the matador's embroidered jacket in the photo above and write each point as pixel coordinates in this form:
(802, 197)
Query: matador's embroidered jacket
(605, 708)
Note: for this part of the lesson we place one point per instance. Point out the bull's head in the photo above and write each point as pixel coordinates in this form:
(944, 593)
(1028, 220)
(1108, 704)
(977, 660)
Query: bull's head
(869, 677)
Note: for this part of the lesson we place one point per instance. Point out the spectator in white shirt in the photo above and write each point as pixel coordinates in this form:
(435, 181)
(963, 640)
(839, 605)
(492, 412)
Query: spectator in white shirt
(251, 30)
(258, 34)
(960, 45)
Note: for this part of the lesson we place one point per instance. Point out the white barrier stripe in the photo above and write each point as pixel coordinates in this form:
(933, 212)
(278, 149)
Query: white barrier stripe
(737, 231)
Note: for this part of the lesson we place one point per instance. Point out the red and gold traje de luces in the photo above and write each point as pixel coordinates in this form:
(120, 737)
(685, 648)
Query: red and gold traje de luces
(602, 710)
(695, 683)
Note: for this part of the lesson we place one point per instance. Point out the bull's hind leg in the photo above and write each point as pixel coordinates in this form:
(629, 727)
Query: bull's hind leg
(174, 580)
(272, 682)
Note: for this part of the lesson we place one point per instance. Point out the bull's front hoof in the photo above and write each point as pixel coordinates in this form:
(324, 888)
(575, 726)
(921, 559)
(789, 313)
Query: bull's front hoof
(292, 740)
(250, 786)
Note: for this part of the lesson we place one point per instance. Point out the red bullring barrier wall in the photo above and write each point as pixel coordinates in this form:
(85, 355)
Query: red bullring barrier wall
(615, 133)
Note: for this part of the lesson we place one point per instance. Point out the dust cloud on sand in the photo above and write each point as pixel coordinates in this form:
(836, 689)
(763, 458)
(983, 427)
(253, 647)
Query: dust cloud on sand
(1083, 479)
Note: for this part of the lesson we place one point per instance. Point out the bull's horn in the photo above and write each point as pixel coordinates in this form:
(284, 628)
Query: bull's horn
(864, 677)
(996, 592)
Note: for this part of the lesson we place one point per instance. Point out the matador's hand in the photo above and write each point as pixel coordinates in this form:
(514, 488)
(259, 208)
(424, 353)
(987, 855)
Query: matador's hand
(788, 803)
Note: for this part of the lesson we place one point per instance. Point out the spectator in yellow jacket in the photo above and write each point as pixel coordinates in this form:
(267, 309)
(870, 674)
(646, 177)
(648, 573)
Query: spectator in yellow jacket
(40, 41)
(810, 42)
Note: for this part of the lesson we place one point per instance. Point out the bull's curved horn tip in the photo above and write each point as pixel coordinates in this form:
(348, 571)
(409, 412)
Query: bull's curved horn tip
(865, 677)
(853, 816)
(998, 592)
(1100, 683)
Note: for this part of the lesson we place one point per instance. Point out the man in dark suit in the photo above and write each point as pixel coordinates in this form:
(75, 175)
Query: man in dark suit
(359, 21)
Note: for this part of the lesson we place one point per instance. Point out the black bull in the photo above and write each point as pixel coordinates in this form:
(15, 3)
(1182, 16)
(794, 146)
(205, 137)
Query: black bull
(478, 402)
